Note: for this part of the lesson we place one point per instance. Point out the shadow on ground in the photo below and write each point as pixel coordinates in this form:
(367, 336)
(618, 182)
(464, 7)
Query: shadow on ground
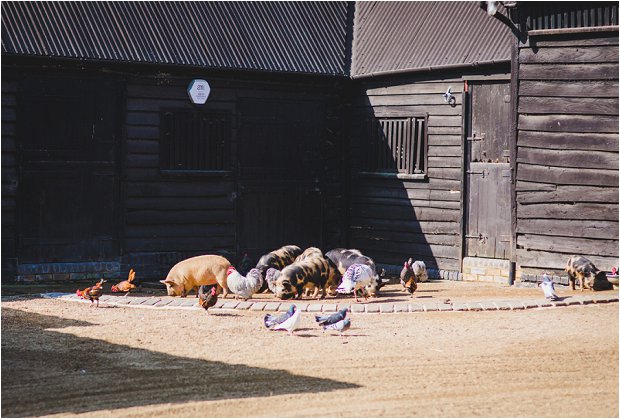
(46, 372)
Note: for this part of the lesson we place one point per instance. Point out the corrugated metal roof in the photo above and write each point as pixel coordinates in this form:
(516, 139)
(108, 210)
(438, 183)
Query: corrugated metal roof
(305, 37)
(400, 36)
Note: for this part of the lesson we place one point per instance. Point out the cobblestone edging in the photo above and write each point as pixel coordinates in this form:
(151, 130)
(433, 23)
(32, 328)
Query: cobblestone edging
(318, 307)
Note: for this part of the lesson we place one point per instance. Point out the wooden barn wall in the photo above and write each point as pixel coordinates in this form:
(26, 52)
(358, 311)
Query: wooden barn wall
(393, 219)
(9, 174)
(171, 217)
(567, 151)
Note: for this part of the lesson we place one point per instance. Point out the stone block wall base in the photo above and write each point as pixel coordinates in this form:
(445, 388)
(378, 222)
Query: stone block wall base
(486, 270)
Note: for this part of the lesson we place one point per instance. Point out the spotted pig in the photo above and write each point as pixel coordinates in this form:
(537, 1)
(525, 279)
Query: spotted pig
(578, 267)
(277, 259)
(309, 252)
(344, 258)
(313, 275)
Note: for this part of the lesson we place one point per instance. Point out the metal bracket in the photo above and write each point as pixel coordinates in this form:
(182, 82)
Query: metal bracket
(479, 237)
(472, 172)
(474, 138)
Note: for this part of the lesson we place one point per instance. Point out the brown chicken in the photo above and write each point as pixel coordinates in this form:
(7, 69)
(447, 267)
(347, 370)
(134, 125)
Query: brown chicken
(92, 293)
(209, 299)
(127, 285)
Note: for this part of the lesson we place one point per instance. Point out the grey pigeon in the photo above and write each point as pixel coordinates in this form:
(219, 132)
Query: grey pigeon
(340, 326)
(548, 288)
(332, 318)
(290, 324)
(272, 321)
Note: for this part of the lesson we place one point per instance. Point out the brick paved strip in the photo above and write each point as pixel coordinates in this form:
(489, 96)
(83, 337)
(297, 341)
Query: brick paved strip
(344, 305)
(474, 307)
(244, 305)
(416, 307)
(488, 305)
(230, 304)
(503, 305)
(271, 306)
(459, 307)
(402, 308)
(358, 308)
(329, 308)
(219, 303)
(386, 308)
(559, 303)
(315, 308)
(285, 306)
(162, 303)
(132, 301)
(257, 306)
(430, 307)
(372, 308)
(516, 305)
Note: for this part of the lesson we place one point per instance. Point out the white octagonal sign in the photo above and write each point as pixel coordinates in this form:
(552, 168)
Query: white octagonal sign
(198, 91)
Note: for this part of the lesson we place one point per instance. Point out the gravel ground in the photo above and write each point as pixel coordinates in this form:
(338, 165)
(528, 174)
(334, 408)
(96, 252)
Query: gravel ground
(62, 358)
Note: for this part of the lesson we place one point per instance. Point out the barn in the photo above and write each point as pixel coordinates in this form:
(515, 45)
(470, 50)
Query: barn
(485, 144)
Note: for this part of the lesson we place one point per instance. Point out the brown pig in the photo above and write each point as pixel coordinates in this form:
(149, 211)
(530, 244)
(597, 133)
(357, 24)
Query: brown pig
(193, 272)
(589, 276)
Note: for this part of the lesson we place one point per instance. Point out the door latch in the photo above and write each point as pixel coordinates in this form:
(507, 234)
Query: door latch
(479, 236)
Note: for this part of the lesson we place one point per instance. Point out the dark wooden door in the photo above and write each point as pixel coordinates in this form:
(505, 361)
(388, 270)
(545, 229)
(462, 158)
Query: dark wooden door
(280, 201)
(68, 189)
(488, 175)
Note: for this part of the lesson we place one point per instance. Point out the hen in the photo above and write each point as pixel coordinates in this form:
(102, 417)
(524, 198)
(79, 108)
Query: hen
(207, 300)
(127, 285)
(270, 277)
(92, 293)
(243, 286)
(356, 277)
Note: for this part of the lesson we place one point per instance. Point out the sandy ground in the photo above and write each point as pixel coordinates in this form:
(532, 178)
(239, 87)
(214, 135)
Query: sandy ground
(66, 359)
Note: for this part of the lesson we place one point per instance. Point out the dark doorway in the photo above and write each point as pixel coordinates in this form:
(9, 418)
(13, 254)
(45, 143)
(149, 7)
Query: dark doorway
(488, 217)
(68, 190)
(280, 198)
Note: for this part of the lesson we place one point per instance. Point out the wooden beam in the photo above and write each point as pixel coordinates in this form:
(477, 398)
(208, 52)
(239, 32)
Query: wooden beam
(569, 123)
(569, 140)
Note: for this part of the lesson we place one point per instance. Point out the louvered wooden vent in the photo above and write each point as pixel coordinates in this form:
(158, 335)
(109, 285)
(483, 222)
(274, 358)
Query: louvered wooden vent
(395, 145)
(558, 15)
(195, 140)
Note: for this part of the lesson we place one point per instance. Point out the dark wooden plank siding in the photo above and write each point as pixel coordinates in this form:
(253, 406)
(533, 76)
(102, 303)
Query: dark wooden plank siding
(394, 219)
(567, 151)
(9, 175)
(170, 216)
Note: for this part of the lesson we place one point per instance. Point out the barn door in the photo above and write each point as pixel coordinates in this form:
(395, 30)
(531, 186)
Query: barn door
(68, 187)
(488, 175)
(280, 201)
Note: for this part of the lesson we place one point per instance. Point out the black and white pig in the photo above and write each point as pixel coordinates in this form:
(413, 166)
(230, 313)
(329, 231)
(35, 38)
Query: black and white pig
(343, 258)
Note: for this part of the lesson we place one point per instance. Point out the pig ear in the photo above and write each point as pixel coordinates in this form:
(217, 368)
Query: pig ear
(166, 281)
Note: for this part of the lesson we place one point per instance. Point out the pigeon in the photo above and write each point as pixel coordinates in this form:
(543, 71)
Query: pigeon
(290, 320)
(548, 288)
(332, 318)
(285, 321)
(340, 326)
